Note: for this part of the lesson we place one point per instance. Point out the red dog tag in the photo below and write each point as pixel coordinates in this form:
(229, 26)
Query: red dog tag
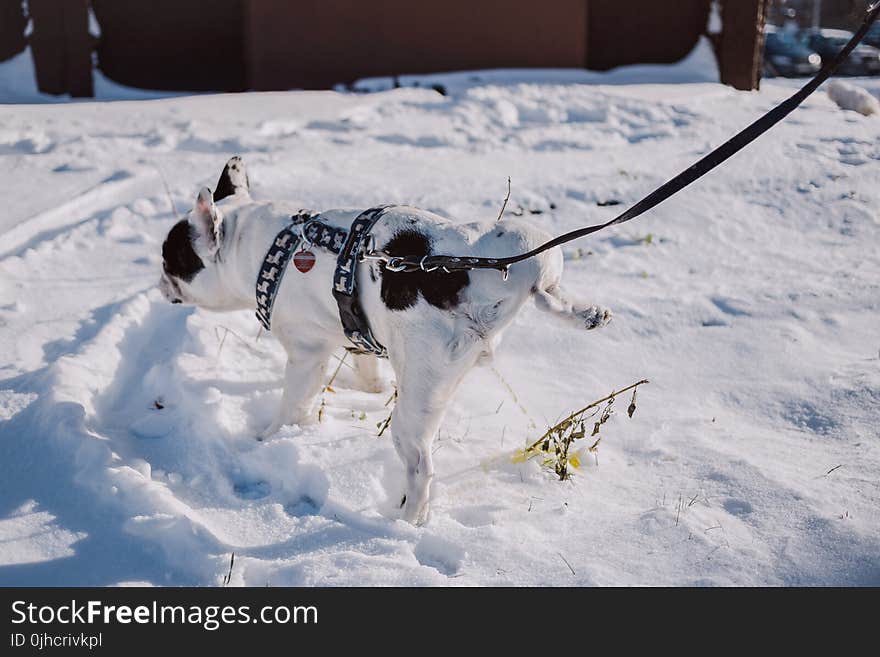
(304, 260)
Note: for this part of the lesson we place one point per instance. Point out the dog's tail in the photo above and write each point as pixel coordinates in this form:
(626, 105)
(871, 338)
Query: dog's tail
(552, 300)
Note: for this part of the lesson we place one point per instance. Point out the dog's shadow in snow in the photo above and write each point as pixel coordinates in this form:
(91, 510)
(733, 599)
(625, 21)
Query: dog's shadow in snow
(348, 529)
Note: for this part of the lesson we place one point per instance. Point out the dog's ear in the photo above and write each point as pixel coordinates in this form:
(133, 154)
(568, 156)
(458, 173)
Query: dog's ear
(207, 222)
(233, 180)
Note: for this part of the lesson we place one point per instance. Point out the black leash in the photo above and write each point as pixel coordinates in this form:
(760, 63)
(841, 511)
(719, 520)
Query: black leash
(682, 180)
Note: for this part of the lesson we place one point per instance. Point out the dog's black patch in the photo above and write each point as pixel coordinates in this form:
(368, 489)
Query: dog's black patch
(224, 185)
(400, 290)
(178, 256)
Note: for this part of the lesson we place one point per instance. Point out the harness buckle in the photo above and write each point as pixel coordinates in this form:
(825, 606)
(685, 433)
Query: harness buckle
(369, 250)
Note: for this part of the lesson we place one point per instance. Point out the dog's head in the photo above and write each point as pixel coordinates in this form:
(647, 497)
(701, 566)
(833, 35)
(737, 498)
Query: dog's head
(191, 254)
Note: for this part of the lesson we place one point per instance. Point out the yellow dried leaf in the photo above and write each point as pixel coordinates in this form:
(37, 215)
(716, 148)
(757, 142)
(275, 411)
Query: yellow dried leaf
(575, 460)
(520, 456)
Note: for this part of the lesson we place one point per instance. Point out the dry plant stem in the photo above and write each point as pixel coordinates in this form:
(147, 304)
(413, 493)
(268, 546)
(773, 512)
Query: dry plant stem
(228, 577)
(336, 371)
(167, 191)
(227, 331)
(566, 563)
(556, 443)
(506, 199)
(330, 383)
(222, 342)
(513, 396)
(348, 365)
(556, 426)
(384, 424)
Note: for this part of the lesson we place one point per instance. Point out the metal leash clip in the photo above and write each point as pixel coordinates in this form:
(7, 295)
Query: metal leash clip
(395, 265)
(306, 242)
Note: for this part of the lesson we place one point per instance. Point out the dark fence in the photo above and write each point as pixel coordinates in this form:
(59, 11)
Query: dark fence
(62, 46)
(283, 44)
(12, 24)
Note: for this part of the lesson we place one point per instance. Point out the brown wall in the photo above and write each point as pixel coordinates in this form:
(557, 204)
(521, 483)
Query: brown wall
(843, 14)
(316, 43)
(320, 43)
(172, 44)
(636, 32)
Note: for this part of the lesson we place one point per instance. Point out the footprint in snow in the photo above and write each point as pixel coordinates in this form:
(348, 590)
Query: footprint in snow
(440, 554)
(304, 506)
(728, 307)
(737, 507)
(475, 516)
(252, 490)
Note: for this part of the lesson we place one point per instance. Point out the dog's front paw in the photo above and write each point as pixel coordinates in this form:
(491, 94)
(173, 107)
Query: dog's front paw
(300, 419)
(416, 514)
(595, 317)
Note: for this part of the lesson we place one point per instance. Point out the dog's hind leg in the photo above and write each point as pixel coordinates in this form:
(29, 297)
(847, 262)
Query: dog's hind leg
(426, 382)
(366, 369)
(552, 300)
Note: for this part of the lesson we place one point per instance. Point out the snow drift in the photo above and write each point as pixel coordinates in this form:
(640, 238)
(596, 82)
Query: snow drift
(851, 97)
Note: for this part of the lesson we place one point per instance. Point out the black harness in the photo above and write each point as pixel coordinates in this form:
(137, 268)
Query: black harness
(305, 230)
(354, 322)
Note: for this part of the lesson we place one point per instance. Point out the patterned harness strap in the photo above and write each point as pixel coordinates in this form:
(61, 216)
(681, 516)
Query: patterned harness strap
(354, 322)
(349, 245)
(274, 265)
(320, 234)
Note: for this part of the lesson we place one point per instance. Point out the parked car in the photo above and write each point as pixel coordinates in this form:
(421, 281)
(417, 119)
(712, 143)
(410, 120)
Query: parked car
(872, 38)
(785, 55)
(864, 60)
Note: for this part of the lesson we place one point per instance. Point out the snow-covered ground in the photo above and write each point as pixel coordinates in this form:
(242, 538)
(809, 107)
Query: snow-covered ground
(753, 457)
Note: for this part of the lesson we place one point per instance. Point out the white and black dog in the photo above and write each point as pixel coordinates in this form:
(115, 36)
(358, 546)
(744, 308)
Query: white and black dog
(434, 325)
